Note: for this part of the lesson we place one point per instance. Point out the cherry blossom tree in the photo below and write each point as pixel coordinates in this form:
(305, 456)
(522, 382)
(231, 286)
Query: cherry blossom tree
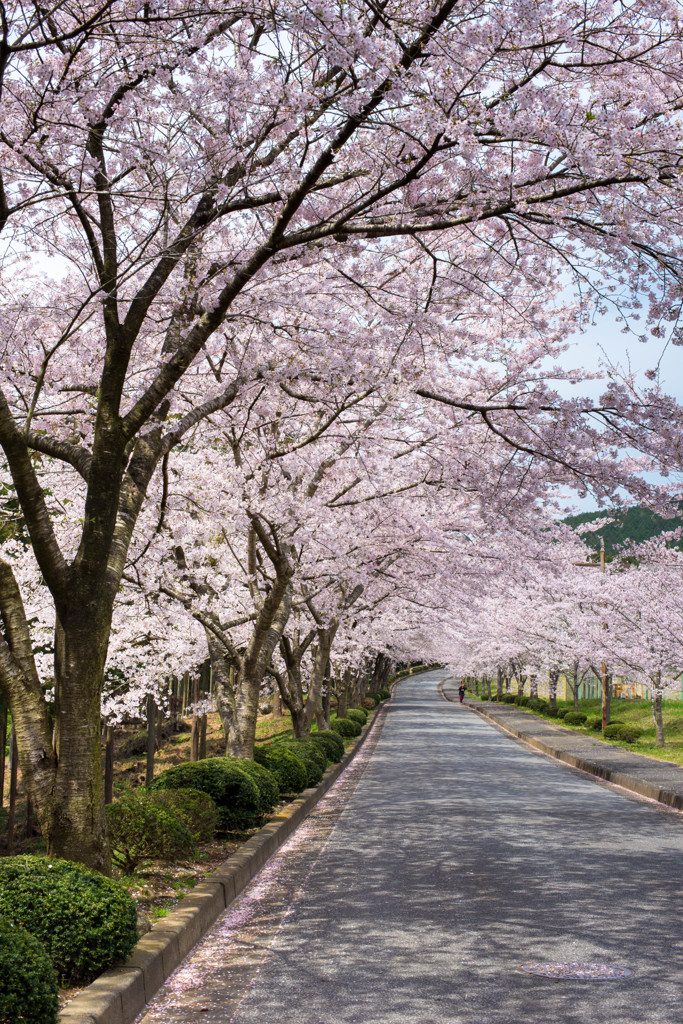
(174, 180)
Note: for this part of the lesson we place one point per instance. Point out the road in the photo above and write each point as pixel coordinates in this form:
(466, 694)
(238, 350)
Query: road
(447, 857)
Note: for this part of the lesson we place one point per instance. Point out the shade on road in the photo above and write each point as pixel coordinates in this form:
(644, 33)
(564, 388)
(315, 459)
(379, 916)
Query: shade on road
(451, 858)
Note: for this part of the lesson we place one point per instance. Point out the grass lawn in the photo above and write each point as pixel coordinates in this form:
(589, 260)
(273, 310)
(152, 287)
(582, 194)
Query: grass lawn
(633, 712)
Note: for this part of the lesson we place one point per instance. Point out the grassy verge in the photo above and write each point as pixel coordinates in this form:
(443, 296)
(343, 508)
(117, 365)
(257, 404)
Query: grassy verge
(632, 712)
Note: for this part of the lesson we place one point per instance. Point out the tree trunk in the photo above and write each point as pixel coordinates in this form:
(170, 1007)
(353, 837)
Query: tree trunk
(657, 717)
(222, 680)
(533, 685)
(109, 764)
(13, 761)
(252, 668)
(151, 740)
(3, 742)
(72, 817)
(196, 724)
(553, 677)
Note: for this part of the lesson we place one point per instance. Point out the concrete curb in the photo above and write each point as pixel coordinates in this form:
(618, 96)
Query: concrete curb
(601, 771)
(121, 993)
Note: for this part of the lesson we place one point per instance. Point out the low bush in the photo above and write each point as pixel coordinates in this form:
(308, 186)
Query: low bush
(622, 731)
(561, 712)
(197, 809)
(508, 698)
(575, 717)
(551, 712)
(358, 715)
(595, 723)
(331, 742)
(630, 733)
(234, 792)
(537, 704)
(86, 922)
(313, 757)
(28, 994)
(612, 730)
(141, 829)
(266, 783)
(346, 727)
(374, 696)
(385, 694)
(288, 769)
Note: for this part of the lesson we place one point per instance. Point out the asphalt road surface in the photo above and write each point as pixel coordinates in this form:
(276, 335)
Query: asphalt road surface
(447, 857)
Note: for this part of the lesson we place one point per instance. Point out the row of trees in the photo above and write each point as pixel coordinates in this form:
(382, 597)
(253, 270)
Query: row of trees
(283, 291)
(626, 621)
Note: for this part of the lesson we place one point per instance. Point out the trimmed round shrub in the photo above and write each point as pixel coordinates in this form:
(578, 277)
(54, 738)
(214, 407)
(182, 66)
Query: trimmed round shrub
(197, 809)
(266, 783)
(234, 792)
(288, 769)
(561, 712)
(374, 695)
(312, 756)
(508, 698)
(630, 733)
(385, 694)
(595, 723)
(537, 704)
(369, 703)
(358, 715)
(140, 828)
(331, 742)
(86, 922)
(346, 727)
(612, 730)
(28, 994)
(622, 731)
(575, 717)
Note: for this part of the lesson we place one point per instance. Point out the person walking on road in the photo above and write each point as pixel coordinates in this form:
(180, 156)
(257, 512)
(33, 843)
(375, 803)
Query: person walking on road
(461, 692)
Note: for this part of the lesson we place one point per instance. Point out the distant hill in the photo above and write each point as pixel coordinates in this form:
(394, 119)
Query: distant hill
(635, 524)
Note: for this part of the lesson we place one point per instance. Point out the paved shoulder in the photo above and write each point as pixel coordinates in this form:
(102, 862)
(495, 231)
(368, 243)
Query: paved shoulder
(647, 776)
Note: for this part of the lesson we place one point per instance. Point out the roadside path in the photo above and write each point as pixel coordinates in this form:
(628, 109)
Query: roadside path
(648, 776)
(437, 864)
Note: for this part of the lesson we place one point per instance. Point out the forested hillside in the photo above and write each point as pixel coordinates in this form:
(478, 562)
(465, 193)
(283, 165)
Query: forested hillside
(635, 524)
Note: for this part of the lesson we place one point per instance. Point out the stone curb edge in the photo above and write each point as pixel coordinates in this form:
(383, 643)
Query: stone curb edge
(120, 994)
(600, 771)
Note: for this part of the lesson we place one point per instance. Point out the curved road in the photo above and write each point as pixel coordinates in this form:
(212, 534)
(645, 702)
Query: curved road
(443, 859)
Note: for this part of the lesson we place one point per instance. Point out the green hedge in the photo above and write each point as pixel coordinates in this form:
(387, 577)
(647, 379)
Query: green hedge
(312, 756)
(288, 769)
(358, 715)
(236, 795)
(575, 717)
(142, 829)
(197, 809)
(86, 922)
(346, 727)
(28, 989)
(331, 742)
(622, 731)
(266, 783)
